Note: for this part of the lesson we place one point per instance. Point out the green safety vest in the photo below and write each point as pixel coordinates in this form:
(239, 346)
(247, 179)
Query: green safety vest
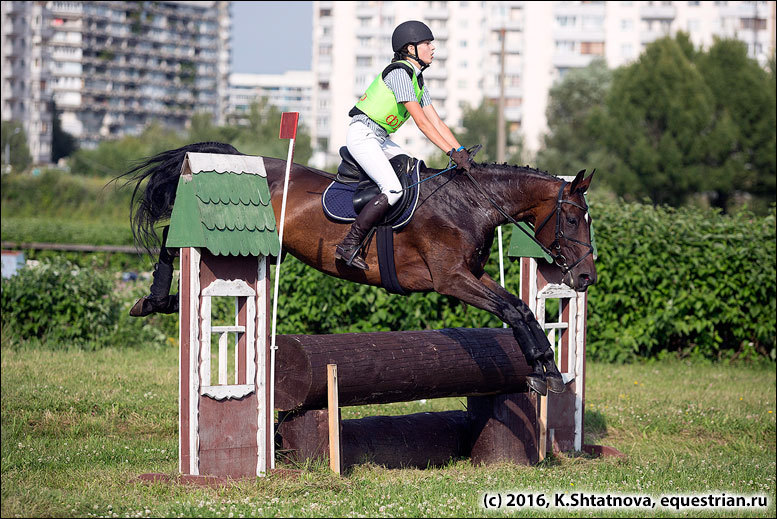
(379, 103)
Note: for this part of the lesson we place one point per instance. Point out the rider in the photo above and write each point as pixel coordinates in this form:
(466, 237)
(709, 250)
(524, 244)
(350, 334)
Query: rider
(397, 94)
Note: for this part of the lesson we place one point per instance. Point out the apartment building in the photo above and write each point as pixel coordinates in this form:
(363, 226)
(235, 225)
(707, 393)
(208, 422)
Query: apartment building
(111, 68)
(291, 91)
(542, 41)
(26, 93)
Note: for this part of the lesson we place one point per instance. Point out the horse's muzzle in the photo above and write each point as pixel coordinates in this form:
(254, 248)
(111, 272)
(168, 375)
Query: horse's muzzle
(579, 282)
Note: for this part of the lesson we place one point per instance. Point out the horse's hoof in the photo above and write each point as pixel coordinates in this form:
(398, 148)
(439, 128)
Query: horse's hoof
(555, 383)
(147, 306)
(537, 385)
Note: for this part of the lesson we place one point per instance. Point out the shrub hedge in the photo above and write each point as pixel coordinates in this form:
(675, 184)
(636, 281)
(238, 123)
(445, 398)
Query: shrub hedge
(687, 280)
(63, 305)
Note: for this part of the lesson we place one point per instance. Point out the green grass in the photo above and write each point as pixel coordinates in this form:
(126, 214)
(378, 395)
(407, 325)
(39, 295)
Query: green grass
(78, 427)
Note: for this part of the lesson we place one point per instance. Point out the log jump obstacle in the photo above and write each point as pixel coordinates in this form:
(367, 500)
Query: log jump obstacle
(225, 228)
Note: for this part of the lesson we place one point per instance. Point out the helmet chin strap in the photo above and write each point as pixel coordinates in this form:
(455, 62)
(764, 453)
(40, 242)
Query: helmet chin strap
(424, 65)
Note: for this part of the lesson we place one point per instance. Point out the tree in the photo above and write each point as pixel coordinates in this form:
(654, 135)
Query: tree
(480, 127)
(260, 137)
(202, 129)
(13, 145)
(63, 144)
(658, 124)
(744, 108)
(681, 122)
(569, 145)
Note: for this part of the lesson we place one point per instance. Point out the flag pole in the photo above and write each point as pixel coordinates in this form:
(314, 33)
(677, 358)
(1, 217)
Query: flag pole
(288, 130)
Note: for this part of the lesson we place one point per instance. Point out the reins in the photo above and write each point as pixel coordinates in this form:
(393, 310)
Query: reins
(558, 258)
(424, 180)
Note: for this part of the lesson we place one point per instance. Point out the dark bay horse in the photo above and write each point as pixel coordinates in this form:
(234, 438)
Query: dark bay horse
(444, 248)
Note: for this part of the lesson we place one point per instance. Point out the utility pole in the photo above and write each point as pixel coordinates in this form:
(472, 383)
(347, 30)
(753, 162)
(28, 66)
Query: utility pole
(500, 124)
(500, 143)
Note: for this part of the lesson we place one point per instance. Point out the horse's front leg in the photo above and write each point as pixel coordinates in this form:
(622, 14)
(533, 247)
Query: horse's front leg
(463, 285)
(553, 375)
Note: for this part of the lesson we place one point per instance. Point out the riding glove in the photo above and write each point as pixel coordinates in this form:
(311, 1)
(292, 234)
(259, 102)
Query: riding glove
(461, 157)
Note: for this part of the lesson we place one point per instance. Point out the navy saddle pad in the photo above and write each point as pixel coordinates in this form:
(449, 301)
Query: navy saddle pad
(338, 200)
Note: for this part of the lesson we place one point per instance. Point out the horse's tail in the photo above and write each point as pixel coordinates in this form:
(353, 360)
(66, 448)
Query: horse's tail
(154, 202)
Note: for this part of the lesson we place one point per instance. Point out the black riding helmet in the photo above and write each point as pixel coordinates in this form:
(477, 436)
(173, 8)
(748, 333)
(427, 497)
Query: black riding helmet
(407, 33)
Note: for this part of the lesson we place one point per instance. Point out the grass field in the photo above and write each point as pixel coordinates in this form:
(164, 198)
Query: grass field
(78, 427)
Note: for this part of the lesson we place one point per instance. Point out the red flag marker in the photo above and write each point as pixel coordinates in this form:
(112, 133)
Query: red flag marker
(289, 125)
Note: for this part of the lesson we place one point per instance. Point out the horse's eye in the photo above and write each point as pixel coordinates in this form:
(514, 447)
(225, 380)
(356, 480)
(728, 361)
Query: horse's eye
(571, 220)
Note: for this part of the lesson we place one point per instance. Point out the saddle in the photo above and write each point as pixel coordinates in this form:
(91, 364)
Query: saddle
(353, 189)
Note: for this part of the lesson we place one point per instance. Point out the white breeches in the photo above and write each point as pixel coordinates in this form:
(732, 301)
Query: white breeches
(373, 153)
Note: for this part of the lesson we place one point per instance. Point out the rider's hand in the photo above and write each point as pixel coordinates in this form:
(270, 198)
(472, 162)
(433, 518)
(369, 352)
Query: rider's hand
(461, 157)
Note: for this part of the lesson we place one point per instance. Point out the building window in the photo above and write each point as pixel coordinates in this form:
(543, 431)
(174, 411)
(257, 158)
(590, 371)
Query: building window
(566, 21)
(592, 47)
(565, 46)
(753, 24)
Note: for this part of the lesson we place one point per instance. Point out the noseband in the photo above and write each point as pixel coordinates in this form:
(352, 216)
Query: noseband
(558, 258)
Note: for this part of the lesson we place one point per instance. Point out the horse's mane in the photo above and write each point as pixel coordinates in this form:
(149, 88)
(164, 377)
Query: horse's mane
(509, 168)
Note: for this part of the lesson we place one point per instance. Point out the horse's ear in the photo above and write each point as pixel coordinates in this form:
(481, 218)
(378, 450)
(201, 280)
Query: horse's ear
(581, 184)
(576, 181)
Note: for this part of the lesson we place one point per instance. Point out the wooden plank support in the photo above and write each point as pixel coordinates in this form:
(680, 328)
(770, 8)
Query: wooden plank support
(334, 418)
(542, 425)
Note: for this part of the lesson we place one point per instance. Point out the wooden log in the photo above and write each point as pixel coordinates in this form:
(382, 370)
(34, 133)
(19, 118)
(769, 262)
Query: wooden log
(417, 440)
(504, 428)
(384, 367)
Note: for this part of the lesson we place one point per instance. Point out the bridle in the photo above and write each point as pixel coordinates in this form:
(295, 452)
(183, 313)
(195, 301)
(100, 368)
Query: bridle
(555, 248)
(558, 258)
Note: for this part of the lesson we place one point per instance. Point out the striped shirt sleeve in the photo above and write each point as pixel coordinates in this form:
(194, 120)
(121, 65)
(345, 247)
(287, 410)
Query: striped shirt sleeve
(400, 83)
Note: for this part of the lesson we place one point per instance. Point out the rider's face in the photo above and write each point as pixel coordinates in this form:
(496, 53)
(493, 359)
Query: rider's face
(425, 51)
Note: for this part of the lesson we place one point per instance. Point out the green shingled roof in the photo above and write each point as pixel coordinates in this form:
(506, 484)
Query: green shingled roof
(228, 213)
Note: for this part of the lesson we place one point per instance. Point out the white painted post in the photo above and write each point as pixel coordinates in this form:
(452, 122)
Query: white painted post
(288, 131)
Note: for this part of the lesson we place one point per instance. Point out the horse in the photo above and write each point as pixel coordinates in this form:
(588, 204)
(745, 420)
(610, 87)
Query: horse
(444, 248)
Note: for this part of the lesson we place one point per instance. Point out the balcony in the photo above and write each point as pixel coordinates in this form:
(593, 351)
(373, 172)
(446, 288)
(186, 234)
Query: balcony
(511, 92)
(513, 114)
(657, 12)
(646, 37)
(435, 13)
(510, 47)
(497, 24)
(572, 60)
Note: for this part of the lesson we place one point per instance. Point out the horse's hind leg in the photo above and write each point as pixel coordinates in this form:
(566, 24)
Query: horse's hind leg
(554, 380)
(467, 288)
(159, 300)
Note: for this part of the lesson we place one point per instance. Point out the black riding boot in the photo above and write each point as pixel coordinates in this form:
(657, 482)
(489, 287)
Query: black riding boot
(552, 374)
(348, 249)
(535, 379)
(159, 300)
